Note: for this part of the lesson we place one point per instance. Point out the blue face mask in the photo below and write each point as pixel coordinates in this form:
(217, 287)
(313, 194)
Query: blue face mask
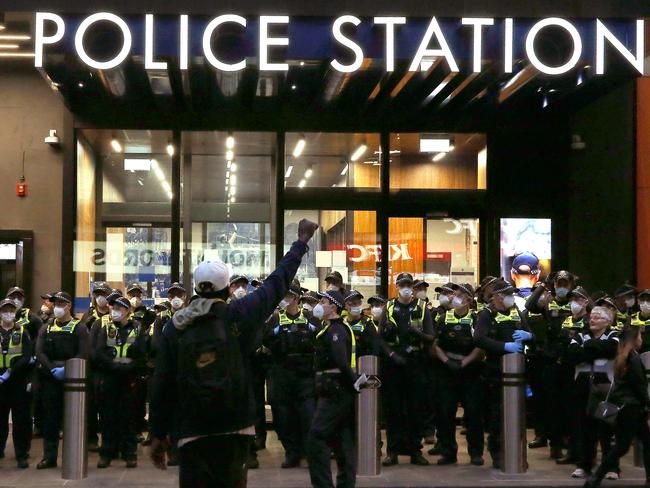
(561, 292)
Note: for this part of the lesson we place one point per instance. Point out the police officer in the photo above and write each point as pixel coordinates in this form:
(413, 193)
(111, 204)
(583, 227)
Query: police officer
(98, 308)
(625, 300)
(121, 355)
(58, 341)
(29, 319)
(593, 351)
(524, 273)
(409, 327)
(377, 306)
(334, 282)
(16, 350)
(484, 292)
(45, 313)
(291, 338)
(556, 374)
(333, 425)
(366, 332)
(420, 288)
(500, 329)
(642, 318)
(459, 378)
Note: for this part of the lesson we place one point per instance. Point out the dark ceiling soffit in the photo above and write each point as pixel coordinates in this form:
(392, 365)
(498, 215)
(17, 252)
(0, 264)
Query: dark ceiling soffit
(414, 8)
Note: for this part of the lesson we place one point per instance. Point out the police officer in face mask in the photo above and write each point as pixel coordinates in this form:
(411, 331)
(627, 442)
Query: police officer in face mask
(555, 373)
(62, 339)
(484, 291)
(308, 301)
(24, 315)
(98, 305)
(291, 339)
(625, 300)
(15, 354)
(45, 313)
(408, 326)
(420, 288)
(642, 318)
(459, 378)
(121, 355)
(500, 329)
(334, 282)
(333, 425)
(377, 305)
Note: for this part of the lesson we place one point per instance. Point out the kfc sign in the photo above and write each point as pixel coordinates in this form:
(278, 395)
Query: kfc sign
(396, 252)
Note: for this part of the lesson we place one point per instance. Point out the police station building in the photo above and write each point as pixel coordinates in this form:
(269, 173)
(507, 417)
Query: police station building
(439, 138)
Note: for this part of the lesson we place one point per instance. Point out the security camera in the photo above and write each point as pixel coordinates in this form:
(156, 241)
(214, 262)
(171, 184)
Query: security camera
(53, 140)
(577, 144)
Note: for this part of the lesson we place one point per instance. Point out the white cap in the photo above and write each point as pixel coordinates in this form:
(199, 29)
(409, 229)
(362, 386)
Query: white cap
(214, 272)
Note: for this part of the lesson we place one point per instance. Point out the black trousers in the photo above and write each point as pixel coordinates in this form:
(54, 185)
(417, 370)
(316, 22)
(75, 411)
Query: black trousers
(214, 462)
(93, 415)
(406, 406)
(631, 423)
(557, 381)
(333, 429)
(14, 398)
(52, 395)
(465, 387)
(259, 379)
(293, 401)
(120, 415)
(589, 431)
(534, 372)
(494, 409)
(431, 417)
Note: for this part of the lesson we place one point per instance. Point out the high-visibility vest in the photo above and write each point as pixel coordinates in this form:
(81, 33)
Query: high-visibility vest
(513, 315)
(557, 310)
(390, 308)
(55, 328)
(113, 341)
(638, 321)
(353, 354)
(285, 320)
(15, 349)
(570, 323)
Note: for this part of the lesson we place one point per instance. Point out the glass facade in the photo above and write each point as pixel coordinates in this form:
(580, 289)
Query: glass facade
(234, 187)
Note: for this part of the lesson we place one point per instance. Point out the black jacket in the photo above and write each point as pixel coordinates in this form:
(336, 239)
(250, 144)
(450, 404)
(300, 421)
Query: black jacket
(632, 387)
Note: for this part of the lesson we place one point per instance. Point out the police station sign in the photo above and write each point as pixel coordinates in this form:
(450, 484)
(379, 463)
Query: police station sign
(274, 42)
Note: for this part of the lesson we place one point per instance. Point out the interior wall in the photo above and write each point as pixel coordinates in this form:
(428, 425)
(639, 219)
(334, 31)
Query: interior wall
(643, 182)
(28, 110)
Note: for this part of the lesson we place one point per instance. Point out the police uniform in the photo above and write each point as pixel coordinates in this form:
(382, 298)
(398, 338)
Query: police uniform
(455, 337)
(120, 354)
(291, 339)
(16, 352)
(333, 424)
(57, 342)
(637, 320)
(594, 372)
(493, 330)
(408, 330)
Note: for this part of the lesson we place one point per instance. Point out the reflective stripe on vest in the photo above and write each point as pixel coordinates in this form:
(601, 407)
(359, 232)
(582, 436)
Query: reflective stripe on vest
(55, 328)
(513, 316)
(555, 306)
(112, 333)
(353, 355)
(569, 323)
(467, 319)
(285, 320)
(638, 321)
(15, 349)
(417, 323)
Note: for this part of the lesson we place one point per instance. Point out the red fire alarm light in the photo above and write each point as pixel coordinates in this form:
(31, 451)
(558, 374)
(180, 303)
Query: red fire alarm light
(21, 188)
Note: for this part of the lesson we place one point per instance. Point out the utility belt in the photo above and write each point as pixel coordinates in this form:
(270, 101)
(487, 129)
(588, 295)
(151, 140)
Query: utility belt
(329, 383)
(123, 360)
(599, 366)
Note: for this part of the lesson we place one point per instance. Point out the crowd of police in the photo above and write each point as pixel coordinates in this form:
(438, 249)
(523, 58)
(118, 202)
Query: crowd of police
(433, 359)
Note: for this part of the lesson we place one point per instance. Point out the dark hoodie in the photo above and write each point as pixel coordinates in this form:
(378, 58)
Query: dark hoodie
(249, 313)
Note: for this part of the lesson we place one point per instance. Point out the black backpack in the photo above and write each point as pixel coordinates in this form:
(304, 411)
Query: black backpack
(212, 386)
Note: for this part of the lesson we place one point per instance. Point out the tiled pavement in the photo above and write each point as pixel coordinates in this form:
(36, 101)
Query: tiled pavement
(542, 473)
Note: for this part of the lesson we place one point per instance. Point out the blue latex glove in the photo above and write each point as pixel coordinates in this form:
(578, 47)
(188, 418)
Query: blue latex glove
(58, 373)
(522, 336)
(276, 331)
(5, 376)
(513, 347)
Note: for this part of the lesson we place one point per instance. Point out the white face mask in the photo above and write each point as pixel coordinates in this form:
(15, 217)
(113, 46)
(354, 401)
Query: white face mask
(356, 311)
(283, 305)
(376, 312)
(18, 302)
(101, 301)
(176, 302)
(406, 292)
(457, 302)
(509, 301)
(307, 306)
(319, 311)
(645, 307)
(444, 300)
(59, 312)
(239, 293)
(576, 307)
(422, 295)
(8, 317)
(116, 315)
(629, 303)
(135, 302)
(561, 292)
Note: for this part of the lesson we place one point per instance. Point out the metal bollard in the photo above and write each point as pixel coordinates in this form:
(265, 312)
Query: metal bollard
(513, 415)
(367, 421)
(75, 453)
